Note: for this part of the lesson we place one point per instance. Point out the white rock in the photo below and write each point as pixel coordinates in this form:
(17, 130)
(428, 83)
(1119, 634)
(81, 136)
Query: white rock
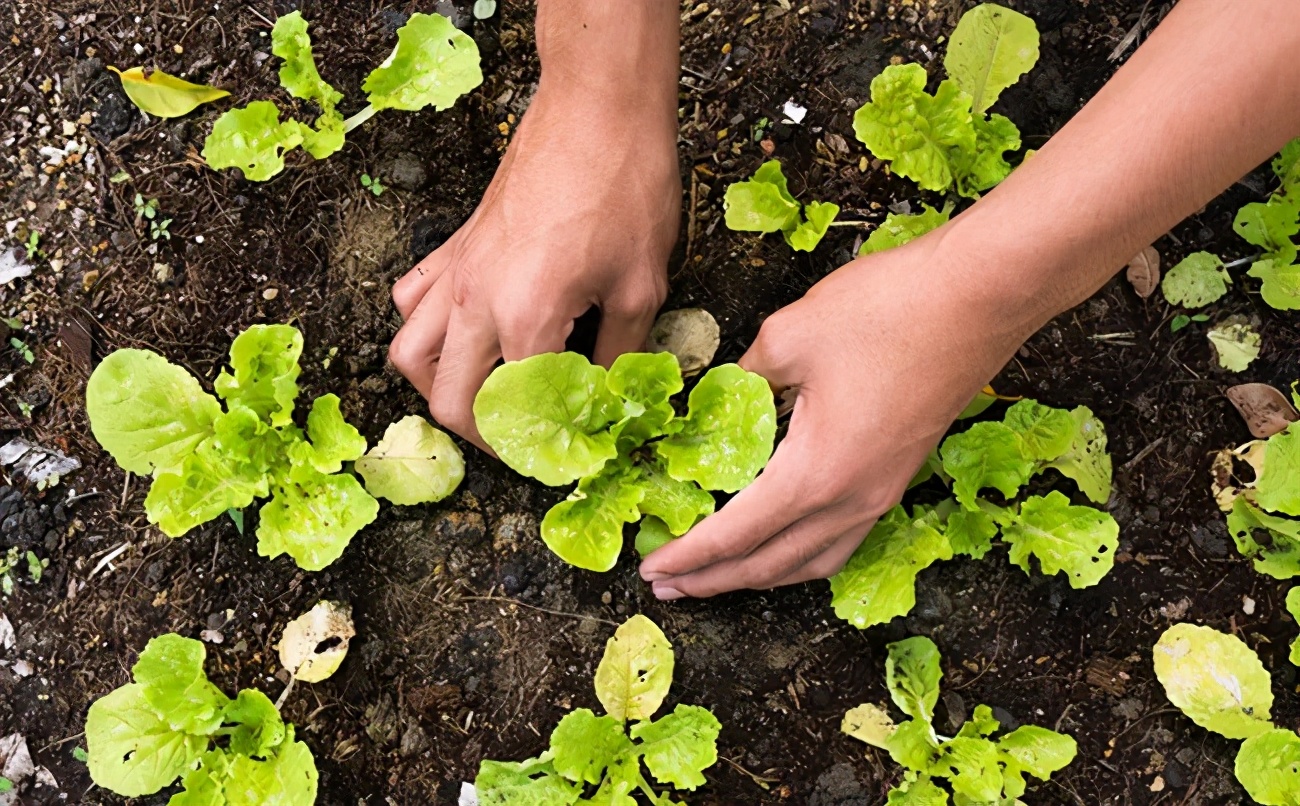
(794, 112)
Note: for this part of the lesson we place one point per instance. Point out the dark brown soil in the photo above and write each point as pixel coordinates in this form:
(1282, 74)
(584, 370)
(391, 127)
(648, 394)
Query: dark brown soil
(472, 638)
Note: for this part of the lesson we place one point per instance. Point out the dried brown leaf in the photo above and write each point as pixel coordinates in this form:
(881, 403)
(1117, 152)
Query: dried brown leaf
(1265, 409)
(1144, 272)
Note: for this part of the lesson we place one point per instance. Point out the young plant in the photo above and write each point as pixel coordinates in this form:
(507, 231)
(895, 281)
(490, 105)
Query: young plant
(973, 767)
(598, 759)
(372, 184)
(558, 418)
(148, 211)
(33, 245)
(1264, 514)
(1220, 684)
(899, 229)
(432, 65)
(764, 204)
(12, 560)
(155, 420)
(171, 722)
(23, 349)
(948, 140)
(879, 580)
(1183, 320)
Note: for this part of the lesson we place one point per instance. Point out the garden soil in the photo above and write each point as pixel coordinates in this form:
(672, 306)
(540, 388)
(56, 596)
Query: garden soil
(473, 639)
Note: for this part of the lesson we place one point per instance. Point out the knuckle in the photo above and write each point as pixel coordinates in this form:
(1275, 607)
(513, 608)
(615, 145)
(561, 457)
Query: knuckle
(826, 567)
(448, 412)
(399, 353)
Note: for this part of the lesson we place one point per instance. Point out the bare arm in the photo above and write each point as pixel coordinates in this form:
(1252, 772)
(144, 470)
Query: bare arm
(887, 350)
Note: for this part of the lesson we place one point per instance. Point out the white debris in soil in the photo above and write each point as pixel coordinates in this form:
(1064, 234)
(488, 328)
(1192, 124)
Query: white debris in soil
(12, 266)
(794, 113)
(1248, 605)
(468, 795)
(40, 465)
(16, 765)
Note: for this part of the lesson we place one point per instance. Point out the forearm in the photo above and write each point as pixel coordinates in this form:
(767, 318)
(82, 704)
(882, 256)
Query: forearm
(1213, 93)
(621, 55)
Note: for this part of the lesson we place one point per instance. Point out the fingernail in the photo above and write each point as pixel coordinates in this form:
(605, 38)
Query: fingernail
(666, 594)
(654, 576)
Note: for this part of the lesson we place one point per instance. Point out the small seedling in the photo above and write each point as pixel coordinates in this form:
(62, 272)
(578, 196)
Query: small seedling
(764, 204)
(604, 754)
(760, 128)
(173, 723)
(1182, 320)
(148, 211)
(14, 559)
(36, 567)
(23, 350)
(975, 767)
(34, 245)
(373, 185)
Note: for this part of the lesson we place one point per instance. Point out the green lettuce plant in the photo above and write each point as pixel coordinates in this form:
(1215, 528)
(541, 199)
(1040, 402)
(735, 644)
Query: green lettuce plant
(598, 759)
(764, 204)
(558, 418)
(171, 722)
(433, 64)
(156, 420)
(972, 766)
(1221, 685)
(900, 228)
(879, 580)
(948, 140)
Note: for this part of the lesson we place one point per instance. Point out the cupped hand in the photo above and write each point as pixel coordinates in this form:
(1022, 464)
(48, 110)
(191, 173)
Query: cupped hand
(583, 210)
(884, 353)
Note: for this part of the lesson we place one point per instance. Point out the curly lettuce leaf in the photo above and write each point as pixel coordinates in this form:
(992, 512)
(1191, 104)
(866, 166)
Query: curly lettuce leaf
(147, 413)
(433, 64)
(981, 723)
(256, 450)
(1268, 767)
(762, 203)
(1086, 462)
(547, 417)
(980, 169)
(808, 233)
(131, 749)
(915, 130)
(1215, 679)
(879, 580)
(728, 433)
(256, 725)
(990, 49)
(288, 778)
(414, 463)
(171, 679)
(252, 139)
(912, 674)
(645, 382)
(1277, 554)
(678, 748)
(333, 440)
(209, 482)
(527, 783)
(205, 784)
(1270, 225)
(298, 74)
(586, 529)
(679, 505)
(1196, 281)
(1278, 487)
(584, 744)
(971, 767)
(1079, 541)
(1281, 282)
(970, 532)
(1045, 433)
(988, 454)
(265, 379)
(917, 790)
(898, 229)
(652, 535)
(1031, 750)
(913, 745)
(313, 517)
(636, 670)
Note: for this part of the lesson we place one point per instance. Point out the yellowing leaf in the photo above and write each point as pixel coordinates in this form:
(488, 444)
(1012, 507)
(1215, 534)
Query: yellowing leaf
(163, 95)
(1235, 344)
(1215, 679)
(869, 723)
(300, 646)
(634, 675)
(414, 463)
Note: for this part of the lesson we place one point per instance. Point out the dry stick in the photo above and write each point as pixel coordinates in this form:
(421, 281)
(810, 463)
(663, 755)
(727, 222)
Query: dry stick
(1144, 453)
(538, 609)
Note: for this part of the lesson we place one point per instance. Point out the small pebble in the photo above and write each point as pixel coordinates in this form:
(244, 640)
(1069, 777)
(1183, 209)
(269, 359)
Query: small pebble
(1248, 605)
(606, 598)
(270, 294)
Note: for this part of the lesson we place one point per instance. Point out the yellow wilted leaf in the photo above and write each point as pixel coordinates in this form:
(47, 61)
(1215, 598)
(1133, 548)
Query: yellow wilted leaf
(164, 95)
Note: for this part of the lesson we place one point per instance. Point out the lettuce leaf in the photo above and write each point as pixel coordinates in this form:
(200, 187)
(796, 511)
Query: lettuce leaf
(265, 379)
(1086, 461)
(762, 203)
(1031, 750)
(312, 518)
(208, 483)
(912, 675)
(988, 454)
(679, 505)
(1278, 487)
(414, 463)
(1215, 679)
(171, 679)
(257, 726)
(1268, 767)
(809, 233)
(1080, 541)
(130, 747)
(433, 64)
(586, 529)
(980, 169)
(288, 778)
(990, 49)
(898, 229)
(680, 746)
(252, 139)
(636, 670)
(1045, 433)
(1281, 283)
(916, 131)
(584, 744)
(527, 783)
(879, 580)
(1196, 281)
(1278, 553)
(298, 74)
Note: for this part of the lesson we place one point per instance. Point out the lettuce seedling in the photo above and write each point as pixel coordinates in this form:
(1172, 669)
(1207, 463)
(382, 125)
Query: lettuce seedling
(1264, 514)
(558, 418)
(764, 204)
(879, 580)
(155, 420)
(1221, 685)
(600, 755)
(899, 229)
(974, 767)
(171, 722)
(433, 64)
(948, 140)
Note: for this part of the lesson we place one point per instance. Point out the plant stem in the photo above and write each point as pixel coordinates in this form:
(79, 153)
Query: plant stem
(359, 118)
(1242, 261)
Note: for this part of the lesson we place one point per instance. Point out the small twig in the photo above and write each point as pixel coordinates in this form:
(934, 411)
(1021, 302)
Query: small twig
(851, 224)
(535, 607)
(62, 741)
(107, 558)
(1144, 453)
(126, 488)
(761, 781)
(284, 695)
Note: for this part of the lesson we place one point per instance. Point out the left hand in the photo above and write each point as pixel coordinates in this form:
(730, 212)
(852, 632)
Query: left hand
(884, 353)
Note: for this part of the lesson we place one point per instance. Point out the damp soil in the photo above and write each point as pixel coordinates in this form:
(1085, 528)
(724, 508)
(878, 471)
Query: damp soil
(472, 639)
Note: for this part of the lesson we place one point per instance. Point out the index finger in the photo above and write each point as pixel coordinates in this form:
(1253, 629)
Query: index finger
(468, 355)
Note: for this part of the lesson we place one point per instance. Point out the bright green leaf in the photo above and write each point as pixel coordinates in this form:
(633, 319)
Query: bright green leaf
(898, 229)
(1036, 751)
(912, 674)
(1045, 433)
(149, 414)
(762, 203)
(988, 454)
(809, 233)
(258, 728)
(913, 745)
(728, 433)
(312, 518)
(1278, 553)
(652, 535)
(265, 363)
(586, 529)
(414, 463)
(645, 381)
(208, 483)
(981, 723)
(433, 64)
(970, 532)
(291, 42)
(879, 580)
(1268, 766)
(333, 440)
(1281, 283)
(547, 417)
(1278, 487)
(528, 783)
(205, 784)
(130, 747)
(1270, 226)
(680, 746)
(171, 679)
(584, 744)
(287, 779)
(1293, 607)
(990, 49)
(1086, 461)
(986, 166)
(1235, 344)
(1080, 541)
(1215, 679)
(1196, 281)
(252, 139)
(164, 95)
(971, 767)
(636, 670)
(678, 504)
(917, 791)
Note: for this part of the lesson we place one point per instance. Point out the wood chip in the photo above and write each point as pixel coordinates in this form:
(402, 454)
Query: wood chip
(1108, 674)
(1144, 272)
(1265, 409)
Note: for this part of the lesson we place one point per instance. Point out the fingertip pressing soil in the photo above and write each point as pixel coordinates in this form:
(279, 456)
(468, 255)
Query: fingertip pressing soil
(472, 639)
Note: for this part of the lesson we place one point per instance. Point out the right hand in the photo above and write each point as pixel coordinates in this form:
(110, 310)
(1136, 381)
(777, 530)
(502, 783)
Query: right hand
(583, 210)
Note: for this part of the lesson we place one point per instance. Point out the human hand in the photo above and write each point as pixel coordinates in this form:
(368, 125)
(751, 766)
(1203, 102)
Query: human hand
(884, 353)
(583, 211)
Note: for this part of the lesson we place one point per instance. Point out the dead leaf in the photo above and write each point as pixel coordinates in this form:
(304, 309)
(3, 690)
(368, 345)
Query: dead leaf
(1265, 409)
(691, 334)
(1144, 272)
(315, 643)
(164, 95)
(1223, 472)
(40, 465)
